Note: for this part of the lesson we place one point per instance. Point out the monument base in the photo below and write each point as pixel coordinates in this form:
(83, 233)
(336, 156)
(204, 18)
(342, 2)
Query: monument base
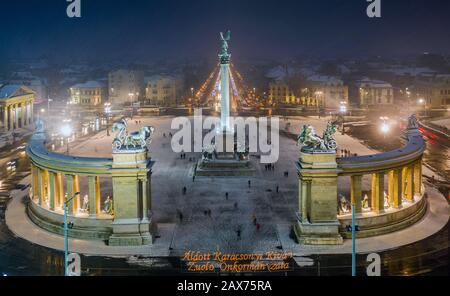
(318, 233)
(225, 161)
(224, 168)
(132, 233)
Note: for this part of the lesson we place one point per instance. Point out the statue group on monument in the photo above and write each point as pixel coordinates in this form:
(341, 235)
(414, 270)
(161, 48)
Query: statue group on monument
(310, 141)
(124, 140)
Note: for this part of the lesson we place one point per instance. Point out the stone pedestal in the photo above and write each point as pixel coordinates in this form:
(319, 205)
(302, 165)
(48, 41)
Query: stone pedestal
(317, 222)
(131, 175)
(225, 162)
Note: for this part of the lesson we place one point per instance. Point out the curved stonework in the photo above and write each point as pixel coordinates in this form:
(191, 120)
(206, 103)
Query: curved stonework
(324, 219)
(372, 224)
(122, 217)
(83, 228)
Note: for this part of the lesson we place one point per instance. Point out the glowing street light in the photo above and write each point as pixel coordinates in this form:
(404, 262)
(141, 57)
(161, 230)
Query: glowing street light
(66, 131)
(385, 127)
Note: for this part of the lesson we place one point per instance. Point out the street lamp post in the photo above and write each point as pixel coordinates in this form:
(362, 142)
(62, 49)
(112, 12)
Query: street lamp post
(353, 241)
(66, 235)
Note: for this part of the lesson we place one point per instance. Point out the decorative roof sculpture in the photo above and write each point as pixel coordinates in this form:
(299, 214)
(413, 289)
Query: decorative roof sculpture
(311, 142)
(125, 141)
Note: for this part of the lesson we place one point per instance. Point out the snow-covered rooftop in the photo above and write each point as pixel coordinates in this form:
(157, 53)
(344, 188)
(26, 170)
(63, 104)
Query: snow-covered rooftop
(8, 89)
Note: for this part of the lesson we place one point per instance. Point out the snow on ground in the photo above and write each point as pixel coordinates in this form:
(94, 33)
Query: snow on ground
(443, 122)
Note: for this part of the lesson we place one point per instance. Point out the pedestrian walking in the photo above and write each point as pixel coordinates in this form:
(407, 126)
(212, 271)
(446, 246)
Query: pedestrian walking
(235, 205)
(254, 219)
(238, 232)
(249, 183)
(226, 195)
(278, 189)
(184, 190)
(258, 226)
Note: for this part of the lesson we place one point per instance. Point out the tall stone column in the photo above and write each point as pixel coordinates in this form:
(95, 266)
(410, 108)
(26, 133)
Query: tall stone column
(16, 116)
(76, 188)
(6, 118)
(59, 200)
(29, 113)
(32, 112)
(378, 193)
(304, 196)
(356, 193)
(24, 114)
(395, 188)
(94, 196)
(322, 226)
(418, 177)
(409, 191)
(69, 194)
(52, 190)
(34, 182)
(131, 169)
(40, 186)
(45, 189)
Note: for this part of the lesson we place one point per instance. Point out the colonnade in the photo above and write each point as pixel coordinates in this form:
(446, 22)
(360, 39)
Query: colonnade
(403, 184)
(17, 115)
(49, 191)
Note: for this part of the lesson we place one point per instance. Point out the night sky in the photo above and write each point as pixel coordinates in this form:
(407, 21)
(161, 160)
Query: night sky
(280, 29)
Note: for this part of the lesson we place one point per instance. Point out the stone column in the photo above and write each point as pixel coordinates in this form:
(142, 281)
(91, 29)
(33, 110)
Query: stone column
(145, 205)
(69, 194)
(32, 112)
(29, 121)
(59, 200)
(304, 195)
(24, 114)
(409, 192)
(378, 193)
(6, 119)
(52, 190)
(40, 186)
(94, 196)
(76, 188)
(34, 181)
(418, 177)
(16, 116)
(46, 187)
(395, 188)
(356, 193)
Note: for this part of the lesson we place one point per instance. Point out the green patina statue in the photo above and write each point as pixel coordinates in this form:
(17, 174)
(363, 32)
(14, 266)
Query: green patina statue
(310, 141)
(224, 55)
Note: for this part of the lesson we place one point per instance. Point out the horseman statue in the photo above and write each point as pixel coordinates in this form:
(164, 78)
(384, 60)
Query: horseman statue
(310, 141)
(131, 141)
